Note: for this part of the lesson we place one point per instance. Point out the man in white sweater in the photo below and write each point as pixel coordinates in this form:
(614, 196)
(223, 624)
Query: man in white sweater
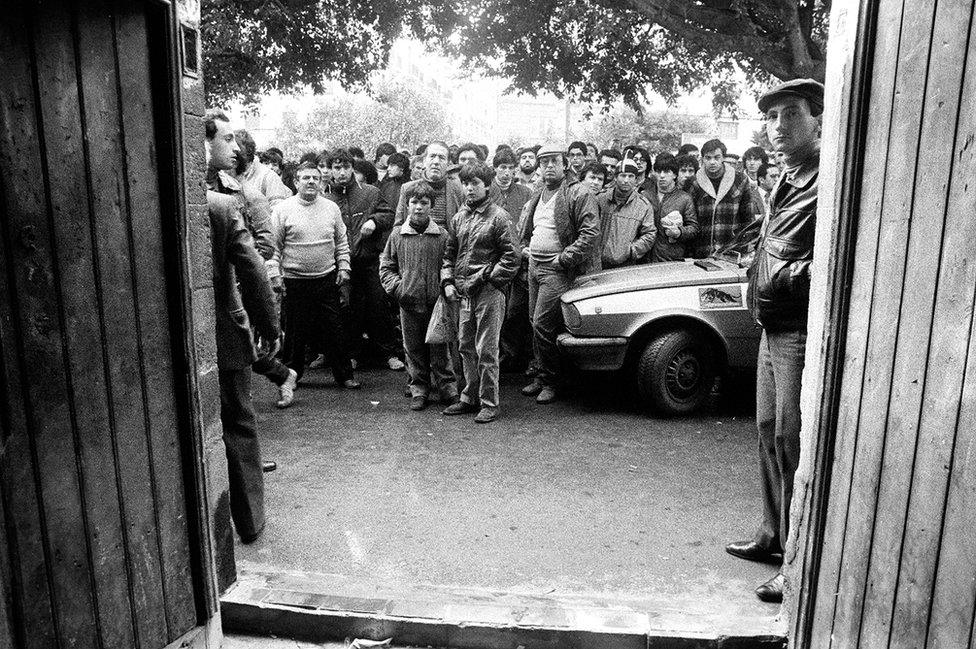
(313, 253)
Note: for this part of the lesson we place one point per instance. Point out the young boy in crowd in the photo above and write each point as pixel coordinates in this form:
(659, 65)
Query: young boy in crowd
(674, 211)
(410, 267)
(479, 262)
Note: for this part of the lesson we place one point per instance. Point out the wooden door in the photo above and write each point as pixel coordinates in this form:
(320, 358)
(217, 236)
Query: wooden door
(96, 541)
(897, 563)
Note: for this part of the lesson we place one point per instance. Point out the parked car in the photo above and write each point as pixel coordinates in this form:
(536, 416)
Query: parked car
(672, 327)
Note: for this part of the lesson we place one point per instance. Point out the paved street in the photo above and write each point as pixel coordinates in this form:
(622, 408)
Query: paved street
(587, 496)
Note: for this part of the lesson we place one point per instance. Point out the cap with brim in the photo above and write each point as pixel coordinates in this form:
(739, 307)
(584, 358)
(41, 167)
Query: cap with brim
(628, 165)
(550, 149)
(809, 89)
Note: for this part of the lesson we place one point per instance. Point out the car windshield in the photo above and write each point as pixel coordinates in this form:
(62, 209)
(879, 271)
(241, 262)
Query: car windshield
(743, 247)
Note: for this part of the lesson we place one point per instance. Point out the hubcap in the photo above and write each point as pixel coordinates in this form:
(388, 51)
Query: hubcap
(683, 375)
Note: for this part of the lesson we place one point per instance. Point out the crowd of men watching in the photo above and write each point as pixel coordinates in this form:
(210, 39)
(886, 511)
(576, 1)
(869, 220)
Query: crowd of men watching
(454, 264)
(363, 292)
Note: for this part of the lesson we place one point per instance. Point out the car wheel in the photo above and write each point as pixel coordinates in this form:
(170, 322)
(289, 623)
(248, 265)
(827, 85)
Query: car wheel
(676, 372)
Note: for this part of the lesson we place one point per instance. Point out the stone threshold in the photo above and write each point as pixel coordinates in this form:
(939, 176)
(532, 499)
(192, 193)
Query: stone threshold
(267, 601)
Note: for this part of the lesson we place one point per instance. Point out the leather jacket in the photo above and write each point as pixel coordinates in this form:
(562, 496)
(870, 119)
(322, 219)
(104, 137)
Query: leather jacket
(779, 278)
(577, 225)
(358, 204)
(479, 249)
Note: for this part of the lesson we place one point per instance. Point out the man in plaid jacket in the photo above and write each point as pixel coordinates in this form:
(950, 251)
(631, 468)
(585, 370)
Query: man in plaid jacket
(723, 201)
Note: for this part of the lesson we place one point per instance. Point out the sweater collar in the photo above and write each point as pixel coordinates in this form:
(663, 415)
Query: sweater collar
(432, 228)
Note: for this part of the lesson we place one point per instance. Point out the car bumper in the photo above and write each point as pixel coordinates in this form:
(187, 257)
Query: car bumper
(594, 353)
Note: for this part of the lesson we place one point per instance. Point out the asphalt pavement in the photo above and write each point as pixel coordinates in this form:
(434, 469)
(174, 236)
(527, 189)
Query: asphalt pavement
(589, 495)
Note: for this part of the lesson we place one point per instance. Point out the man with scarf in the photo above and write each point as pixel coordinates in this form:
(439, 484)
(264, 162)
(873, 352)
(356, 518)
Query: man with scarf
(367, 221)
(723, 201)
(626, 220)
(479, 262)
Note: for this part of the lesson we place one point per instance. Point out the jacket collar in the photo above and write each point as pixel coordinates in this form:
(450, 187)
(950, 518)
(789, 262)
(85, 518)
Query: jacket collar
(804, 174)
(724, 186)
(432, 228)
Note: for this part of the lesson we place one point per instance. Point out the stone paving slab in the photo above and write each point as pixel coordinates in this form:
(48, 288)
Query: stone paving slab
(267, 601)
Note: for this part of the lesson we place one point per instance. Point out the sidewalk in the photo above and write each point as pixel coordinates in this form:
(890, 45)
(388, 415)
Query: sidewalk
(586, 499)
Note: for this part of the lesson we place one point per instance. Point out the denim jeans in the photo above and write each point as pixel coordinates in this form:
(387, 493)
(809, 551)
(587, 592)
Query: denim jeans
(779, 371)
(478, 331)
(547, 283)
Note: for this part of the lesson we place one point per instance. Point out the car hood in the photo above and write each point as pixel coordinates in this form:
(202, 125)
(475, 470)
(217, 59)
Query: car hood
(658, 275)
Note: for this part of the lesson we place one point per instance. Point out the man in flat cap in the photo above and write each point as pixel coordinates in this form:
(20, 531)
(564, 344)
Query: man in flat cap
(779, 290)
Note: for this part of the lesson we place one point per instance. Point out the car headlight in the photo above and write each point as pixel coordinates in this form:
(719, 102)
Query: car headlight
(572, 317)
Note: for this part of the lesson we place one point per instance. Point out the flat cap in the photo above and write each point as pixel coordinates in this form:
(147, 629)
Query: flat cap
(809, 89)
(551, 148)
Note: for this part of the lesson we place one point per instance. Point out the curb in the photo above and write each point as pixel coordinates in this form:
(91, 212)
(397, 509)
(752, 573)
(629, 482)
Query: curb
(296, 605)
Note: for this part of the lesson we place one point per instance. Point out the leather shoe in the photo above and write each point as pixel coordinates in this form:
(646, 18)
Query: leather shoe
(546, 395)
(268, 467)
(247, 539)
(533, 388)
(772, 590)
(486, 415)
(751, 551)
(351, 384)
(459, 408)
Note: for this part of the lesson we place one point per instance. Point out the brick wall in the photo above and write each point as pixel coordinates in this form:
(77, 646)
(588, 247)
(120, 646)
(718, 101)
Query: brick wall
(203, 314)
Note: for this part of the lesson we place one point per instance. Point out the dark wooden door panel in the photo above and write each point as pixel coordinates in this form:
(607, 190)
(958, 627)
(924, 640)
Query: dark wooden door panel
(91, 476)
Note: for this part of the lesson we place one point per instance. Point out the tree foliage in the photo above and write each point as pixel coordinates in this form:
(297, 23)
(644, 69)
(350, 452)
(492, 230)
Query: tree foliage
(659, 130)
(396, 112)
(592, 50)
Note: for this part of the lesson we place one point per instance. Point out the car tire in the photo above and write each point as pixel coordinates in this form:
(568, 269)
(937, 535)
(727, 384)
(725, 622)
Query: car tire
(676, 372)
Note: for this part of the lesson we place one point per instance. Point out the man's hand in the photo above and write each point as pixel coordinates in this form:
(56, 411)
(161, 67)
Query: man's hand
(343, 277)
(368, 228)
(344, 291)
(450, 292)
(267, 347)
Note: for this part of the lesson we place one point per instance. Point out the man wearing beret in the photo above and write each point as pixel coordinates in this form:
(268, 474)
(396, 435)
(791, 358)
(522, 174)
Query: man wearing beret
(779, 290)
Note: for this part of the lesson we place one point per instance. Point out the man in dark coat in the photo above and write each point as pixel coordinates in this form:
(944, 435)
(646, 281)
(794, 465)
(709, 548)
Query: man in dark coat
(368, 221)
(243, 300)
(779, 292)
(559, 232)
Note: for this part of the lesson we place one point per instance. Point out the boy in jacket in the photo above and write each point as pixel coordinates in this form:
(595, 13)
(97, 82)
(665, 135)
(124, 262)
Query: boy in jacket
(410, 268)
(479, 262)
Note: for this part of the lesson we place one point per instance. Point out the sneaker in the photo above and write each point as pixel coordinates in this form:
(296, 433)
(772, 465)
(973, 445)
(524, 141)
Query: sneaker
(486, 415)
(318, 363)
(460, 408)
(546, 395)
(286, 392)
(418, 403)
(533, 388)
(395, 364)
(351, 384)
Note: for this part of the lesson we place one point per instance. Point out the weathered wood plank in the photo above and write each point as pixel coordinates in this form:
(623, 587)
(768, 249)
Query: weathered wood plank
(153, 316)
(940, 67)
(888, 286)
(849, 444)
(121, 448)
(52, 423)
(25, 273)
(953, 600)
(940, 298)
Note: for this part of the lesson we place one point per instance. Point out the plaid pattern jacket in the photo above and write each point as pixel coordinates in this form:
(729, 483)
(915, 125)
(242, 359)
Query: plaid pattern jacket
(721, 213)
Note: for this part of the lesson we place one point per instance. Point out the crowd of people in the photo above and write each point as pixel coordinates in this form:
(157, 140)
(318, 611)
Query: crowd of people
(454, 261)
(335, 212)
